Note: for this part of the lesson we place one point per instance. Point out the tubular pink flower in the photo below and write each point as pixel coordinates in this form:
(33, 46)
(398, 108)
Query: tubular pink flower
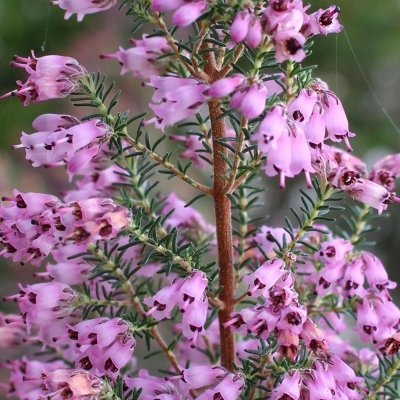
(376, 274)
(226, 86)
(43, 303)
(372, 194)
(264, 277)
(254, 35)
(335, 119)
(271, 129)
(43, 88)
(283, 15)
(314, 129)
(301, 108)
(289, 388)
(196, 377)
(166, 5)
(289, 46)
(194, 319)
(292, 318)
(252, 104)
(178, 99)
(367, 320)
(240, 26)
(323, 22)
(83, 7)
(189, 12)
(142, 59)
(317, 388)
(49, 66)
(163, 301)
(54, 122)
(334, 250)
(228, 389)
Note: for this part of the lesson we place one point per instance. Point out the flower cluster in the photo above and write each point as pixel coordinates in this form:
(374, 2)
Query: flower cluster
(33, 223)
(236, 309)
(50, 77)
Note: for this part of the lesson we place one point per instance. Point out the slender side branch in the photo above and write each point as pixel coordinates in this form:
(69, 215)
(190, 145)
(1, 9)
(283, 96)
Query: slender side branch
(228, 67)
(236, 159)
(308, 223)
(126, 286)
(156, 157)
(254, 164)
(161, 249)
(360, 224)
(373, 394)
(195, 72)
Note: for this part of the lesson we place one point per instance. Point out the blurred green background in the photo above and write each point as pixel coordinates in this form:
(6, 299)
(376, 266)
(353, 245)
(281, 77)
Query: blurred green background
(372, 36)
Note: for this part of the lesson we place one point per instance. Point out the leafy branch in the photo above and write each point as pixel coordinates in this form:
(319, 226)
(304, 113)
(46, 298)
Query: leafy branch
(94, 95)
(125, 285)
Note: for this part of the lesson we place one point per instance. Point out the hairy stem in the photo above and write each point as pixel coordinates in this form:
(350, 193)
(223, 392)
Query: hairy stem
(361, 224)
(185, 264)
(165, 163)
(223, 222)
(313, 214)
(373, 394)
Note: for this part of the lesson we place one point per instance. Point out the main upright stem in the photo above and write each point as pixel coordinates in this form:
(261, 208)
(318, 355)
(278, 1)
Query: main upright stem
(223, 220)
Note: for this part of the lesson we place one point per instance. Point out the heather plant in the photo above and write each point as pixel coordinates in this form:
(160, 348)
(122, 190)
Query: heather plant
(224, 310)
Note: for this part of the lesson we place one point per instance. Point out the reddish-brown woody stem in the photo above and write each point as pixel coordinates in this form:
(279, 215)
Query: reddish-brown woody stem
(223, 221)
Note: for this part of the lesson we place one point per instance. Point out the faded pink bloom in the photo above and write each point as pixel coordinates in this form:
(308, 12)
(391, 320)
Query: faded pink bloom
(74, 383)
